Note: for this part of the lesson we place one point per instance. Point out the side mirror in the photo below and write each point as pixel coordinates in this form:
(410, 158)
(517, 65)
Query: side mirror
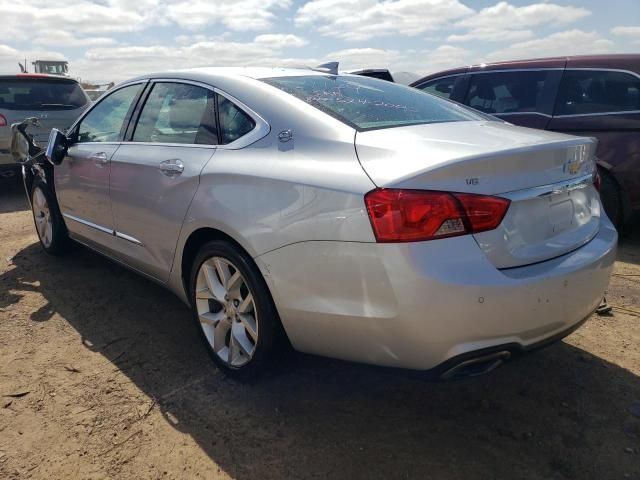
(57, 147)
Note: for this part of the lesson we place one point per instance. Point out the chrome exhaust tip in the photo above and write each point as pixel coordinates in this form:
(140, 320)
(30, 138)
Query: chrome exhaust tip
(476, 366)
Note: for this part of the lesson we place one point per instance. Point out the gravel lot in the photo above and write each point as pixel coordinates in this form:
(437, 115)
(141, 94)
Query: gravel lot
(102, 376)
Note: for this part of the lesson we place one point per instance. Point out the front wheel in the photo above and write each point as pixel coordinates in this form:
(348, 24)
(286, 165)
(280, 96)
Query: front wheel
(49, 225)
(232, 306)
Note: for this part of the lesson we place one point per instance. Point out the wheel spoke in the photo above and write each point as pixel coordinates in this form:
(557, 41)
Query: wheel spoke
(223, 271)
(215, 287)
(249, 323)
(240, 340)
(204, 294)
(246, 305)
(211, 318)
(234, 282)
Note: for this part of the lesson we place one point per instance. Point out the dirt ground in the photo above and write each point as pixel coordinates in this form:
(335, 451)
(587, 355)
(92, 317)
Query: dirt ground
(102, 376)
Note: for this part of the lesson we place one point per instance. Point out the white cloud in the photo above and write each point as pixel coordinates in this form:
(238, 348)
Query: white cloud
(78, 16)
(631, 33)
(102, 64)
(505, 15)
(491, 35)
(365, 19)
(430, 61)
(570, 42)
(239, 15)
(280, 40)
(62, 39)
(504, 22)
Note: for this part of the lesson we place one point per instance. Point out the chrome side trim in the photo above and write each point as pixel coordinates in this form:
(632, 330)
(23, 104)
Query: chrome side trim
(522, 113)
(624, 112)
(129, 238)
(88, 223)
(551, 189)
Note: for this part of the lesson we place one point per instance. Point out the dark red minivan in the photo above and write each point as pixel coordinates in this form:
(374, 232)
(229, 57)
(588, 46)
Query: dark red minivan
(596, 96)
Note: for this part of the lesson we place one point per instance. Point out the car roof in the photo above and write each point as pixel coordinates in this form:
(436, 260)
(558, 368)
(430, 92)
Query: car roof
(256, 73)
(587, 61)
(37, 76)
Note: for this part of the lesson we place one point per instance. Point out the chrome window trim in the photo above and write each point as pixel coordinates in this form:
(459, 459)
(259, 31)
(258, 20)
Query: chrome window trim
(261, 129)
(576, 183)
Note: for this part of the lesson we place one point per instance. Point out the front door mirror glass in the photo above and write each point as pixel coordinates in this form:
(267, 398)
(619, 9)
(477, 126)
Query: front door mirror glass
(57, 147)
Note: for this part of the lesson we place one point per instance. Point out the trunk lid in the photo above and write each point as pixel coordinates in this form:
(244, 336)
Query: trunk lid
(547, 176)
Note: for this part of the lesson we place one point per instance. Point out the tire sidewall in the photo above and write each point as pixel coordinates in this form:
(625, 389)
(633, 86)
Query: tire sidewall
(267, 316)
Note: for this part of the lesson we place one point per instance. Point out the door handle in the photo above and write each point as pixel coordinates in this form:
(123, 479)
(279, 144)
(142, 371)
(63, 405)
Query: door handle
(100, 159)
(172, 168)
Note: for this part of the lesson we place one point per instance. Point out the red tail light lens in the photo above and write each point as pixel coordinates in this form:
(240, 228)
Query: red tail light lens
(3, 121)
(417, 215)
(597, 180)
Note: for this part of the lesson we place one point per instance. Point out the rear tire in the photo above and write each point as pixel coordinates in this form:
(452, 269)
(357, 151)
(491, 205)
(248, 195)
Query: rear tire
(611, 198)
(50, 227)
(231, 304)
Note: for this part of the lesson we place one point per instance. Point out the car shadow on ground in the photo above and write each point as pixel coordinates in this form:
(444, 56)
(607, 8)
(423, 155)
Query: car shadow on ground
(12, 196)
(544, 415)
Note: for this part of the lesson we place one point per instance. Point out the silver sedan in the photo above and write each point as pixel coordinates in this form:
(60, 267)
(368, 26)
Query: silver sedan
(347, 216)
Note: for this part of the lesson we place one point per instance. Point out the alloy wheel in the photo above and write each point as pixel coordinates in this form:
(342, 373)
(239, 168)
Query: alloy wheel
(227, 311)
(42, 216)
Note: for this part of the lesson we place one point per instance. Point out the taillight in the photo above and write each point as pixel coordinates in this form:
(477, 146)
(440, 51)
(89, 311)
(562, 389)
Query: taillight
(417, 215)
(3, 121)
(597, 179)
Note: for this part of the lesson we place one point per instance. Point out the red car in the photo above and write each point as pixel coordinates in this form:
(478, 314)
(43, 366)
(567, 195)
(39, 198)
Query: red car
(596, 96)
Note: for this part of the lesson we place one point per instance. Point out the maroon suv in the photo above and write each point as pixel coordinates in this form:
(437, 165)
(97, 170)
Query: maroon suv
(596, 96)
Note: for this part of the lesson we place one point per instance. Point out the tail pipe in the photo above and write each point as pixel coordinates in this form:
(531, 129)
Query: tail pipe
(477, 365)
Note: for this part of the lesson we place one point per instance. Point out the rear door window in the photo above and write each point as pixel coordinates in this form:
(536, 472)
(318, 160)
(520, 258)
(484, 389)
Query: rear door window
(178, 113)
(24, 93)
(234, 123)
(442, 87)
(509, 92)
(105, 121)
(591, 92)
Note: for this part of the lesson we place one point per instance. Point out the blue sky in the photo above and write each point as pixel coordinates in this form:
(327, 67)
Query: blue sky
(113, 39)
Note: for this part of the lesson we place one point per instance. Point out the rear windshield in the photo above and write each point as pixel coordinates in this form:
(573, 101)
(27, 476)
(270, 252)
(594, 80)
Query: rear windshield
(368, 104)
(40, 94)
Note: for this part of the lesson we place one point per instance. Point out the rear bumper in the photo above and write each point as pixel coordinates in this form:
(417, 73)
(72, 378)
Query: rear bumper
(419, 305)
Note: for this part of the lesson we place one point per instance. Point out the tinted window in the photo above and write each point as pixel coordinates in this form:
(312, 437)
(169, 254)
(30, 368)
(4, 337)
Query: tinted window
(105, 121)
(234, 123)
(177, 113)
(584, 92)
(442, 87)
(508, 92)
(367, 103)
(41, 94)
